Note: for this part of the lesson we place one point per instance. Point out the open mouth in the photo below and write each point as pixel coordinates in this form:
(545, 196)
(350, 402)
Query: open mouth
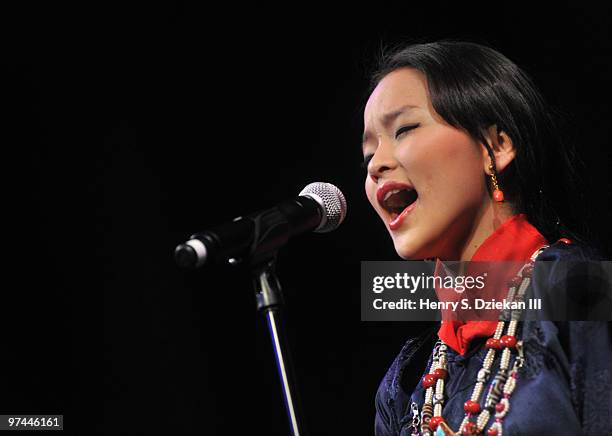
(396, 201)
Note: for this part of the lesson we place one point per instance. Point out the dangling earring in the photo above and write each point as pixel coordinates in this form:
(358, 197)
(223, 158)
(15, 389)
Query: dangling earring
(498, 194)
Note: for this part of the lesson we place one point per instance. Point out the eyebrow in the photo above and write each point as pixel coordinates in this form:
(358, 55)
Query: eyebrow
(388, 118)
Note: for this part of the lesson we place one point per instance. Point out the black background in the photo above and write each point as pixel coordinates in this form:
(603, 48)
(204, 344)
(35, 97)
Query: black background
(126, 129)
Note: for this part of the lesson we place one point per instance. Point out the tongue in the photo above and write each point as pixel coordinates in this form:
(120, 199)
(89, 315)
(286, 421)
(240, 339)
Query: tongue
(400, 200)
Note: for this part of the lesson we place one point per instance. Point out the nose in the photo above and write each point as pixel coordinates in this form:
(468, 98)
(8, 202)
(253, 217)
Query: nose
(383, 160)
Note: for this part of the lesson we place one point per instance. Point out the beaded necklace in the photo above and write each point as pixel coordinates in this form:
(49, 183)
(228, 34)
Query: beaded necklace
(497, 400)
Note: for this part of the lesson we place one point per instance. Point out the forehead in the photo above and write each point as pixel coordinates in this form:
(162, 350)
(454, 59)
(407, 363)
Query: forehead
(405, 86)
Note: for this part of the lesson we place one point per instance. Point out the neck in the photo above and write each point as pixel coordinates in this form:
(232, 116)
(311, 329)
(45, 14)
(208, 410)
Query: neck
(486, 222)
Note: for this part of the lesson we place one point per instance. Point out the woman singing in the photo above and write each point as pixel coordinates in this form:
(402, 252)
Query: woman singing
(462, 164)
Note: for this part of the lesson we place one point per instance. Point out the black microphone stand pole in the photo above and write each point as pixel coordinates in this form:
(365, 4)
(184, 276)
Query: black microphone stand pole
(270, 231)
(269, 303)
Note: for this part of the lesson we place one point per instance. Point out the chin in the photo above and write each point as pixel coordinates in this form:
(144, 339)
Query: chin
(409, 251)
(416, 246)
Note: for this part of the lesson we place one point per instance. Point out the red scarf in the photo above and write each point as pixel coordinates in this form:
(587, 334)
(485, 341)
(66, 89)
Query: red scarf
(515, 240)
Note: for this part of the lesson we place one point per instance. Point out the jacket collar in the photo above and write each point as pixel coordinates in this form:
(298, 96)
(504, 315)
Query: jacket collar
(515, 240)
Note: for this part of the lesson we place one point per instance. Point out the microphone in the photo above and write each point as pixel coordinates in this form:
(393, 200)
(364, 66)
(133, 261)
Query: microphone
(320, 207)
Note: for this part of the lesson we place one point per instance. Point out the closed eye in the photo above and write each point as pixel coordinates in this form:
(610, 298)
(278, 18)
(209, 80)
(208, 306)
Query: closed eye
(405, 129)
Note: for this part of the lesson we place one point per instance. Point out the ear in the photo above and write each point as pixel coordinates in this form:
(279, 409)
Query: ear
(503, 149)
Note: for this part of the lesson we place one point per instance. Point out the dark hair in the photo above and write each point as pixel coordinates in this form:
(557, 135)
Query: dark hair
(472, 87)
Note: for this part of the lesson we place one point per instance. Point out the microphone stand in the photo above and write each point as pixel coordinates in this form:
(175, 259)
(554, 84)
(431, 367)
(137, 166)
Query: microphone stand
(269, 303)
(320, 207)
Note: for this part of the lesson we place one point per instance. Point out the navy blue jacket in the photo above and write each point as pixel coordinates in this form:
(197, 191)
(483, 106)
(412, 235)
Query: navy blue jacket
(564, 388)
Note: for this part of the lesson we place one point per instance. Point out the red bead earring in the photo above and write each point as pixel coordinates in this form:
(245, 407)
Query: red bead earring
(498, 194)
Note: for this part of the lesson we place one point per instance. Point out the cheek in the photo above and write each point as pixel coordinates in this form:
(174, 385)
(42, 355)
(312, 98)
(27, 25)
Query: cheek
(445, 166)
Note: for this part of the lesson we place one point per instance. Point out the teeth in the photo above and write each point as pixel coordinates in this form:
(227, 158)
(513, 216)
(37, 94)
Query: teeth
(390, 193)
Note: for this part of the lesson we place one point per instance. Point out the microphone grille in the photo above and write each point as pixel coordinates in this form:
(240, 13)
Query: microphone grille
(332, 201)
